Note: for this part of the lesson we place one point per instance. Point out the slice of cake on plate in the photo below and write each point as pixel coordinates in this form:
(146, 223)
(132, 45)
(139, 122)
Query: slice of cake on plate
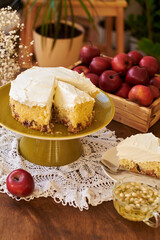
(73, 107)
(140, 153)
(39, 92)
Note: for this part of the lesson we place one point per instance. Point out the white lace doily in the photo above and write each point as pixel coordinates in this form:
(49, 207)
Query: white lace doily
(78, 184)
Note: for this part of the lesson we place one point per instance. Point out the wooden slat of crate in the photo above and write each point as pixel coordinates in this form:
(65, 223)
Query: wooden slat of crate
(155, 114)
(131, 114)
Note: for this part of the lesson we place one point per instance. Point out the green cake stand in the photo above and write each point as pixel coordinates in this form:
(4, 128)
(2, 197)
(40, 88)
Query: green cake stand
(57, 148)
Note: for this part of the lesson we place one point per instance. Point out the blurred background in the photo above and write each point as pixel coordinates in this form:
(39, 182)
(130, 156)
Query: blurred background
(141, 27)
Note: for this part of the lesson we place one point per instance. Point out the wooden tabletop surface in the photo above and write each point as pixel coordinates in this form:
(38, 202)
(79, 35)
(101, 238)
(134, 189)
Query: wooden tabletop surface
(42, 218)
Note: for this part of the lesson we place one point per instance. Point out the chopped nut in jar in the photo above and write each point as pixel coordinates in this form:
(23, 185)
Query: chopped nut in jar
(135, 201)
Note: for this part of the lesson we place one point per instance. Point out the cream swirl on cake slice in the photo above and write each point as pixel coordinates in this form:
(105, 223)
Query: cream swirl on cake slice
(73, 107)
(77, 80)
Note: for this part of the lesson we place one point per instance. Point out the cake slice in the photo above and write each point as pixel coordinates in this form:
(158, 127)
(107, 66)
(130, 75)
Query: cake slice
(31, 98)
(140, 153)
(73, 107)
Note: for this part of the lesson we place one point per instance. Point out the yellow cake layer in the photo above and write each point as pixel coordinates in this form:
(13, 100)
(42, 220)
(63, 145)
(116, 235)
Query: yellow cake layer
(148, 168)
(40, 115)
(79, 114)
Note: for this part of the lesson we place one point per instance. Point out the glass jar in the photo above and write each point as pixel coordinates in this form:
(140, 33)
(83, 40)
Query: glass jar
(138, 199)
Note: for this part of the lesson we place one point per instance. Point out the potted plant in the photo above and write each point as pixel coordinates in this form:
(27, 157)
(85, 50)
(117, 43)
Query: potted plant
(145, 27)
(59, 40)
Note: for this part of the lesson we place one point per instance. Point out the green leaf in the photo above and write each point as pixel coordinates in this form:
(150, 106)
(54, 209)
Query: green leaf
(93, 8)
(157, 13)
(87, 12)
(151, 5)
(30, 7)
(145, 45)
(65, 16)
(72, 18)
(65, 10)
(13, 3)
(48, 17)
(157, 25)
(27, 3)
(150, 48)
(26, 13)
(37, 15)
(43, 23)
(58, 22)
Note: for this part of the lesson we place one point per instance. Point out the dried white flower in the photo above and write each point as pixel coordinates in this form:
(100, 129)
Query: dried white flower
(9, 39)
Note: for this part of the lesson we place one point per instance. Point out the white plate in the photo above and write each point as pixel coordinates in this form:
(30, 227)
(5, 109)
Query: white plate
(111, 155)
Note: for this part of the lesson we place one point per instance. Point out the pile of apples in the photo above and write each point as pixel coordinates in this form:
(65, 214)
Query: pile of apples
(127, 75)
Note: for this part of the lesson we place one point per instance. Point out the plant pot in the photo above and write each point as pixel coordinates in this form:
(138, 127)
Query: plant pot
(64, 52)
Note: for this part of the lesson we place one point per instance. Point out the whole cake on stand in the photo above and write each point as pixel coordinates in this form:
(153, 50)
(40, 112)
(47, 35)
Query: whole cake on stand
(39, 95)
(41, 102)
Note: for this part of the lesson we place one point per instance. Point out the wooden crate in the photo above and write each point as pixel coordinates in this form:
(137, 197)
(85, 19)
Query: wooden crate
(132, 114)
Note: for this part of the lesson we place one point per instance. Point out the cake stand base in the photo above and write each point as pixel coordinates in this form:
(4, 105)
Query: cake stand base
(50, 152)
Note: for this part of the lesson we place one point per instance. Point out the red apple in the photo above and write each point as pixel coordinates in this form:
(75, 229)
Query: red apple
(108, 59)
(98, 65)
(137, 75)
(151, 64)
(155, 81)
(141, 94)
(121, 63)
(136, 56)
(81, 69)
(88, 52)
(155, 91)
(109, 81)
(94, 78)
(123, 90)
(20, 183)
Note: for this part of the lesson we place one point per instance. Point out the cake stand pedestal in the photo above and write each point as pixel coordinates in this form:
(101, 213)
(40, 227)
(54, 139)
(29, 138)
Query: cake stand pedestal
(50, 152)
(57, 148)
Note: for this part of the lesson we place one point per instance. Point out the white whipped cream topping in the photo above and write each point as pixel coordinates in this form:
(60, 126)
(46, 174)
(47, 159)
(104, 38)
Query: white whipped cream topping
(33, 87)
(36, 86)
(143, 147)
(67, 95)
(77, 80)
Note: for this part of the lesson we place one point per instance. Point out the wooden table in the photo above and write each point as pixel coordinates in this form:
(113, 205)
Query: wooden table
(43, 219)
(107, 9)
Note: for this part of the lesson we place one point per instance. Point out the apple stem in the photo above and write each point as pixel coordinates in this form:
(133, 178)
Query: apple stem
(115, 75)
(91, 43)
(16, 179)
